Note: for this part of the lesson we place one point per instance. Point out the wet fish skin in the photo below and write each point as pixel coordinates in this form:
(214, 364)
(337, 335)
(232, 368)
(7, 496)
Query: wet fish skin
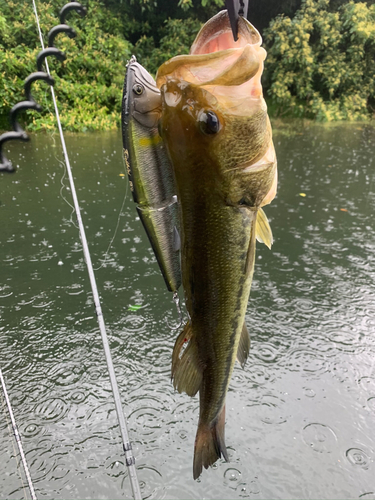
(224, 168)
(149, 170)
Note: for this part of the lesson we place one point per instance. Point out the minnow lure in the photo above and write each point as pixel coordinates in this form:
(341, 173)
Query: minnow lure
(149, 170)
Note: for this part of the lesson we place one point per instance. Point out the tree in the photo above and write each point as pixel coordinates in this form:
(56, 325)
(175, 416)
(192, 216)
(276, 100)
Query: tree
(88, 84)
(321, 63)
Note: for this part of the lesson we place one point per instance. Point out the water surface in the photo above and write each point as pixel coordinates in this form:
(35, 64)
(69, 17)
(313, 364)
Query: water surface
(300, 416)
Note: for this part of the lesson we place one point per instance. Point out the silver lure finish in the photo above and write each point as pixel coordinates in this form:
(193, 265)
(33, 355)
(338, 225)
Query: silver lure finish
(149, 170)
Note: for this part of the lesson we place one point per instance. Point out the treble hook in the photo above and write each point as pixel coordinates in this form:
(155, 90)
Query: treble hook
(176, 300)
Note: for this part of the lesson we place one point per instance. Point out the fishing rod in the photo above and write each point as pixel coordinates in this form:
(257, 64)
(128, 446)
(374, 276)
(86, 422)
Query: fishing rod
(5, 165)
(18, 438)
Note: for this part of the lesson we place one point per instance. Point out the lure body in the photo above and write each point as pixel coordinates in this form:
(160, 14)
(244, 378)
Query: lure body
(149, 170)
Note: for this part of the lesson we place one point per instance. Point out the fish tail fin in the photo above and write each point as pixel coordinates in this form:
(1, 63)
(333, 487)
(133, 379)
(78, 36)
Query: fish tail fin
(209, 444)
(186, 368)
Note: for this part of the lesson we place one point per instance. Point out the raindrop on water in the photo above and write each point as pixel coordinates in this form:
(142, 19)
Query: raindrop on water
(319, 437)
(371, 404)
(232, 477)
(356, 456)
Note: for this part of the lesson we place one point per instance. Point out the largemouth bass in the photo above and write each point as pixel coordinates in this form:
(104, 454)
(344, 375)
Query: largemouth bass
(215, 125)
(149, 170)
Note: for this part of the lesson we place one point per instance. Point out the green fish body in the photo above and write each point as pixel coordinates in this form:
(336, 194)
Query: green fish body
(219, 140)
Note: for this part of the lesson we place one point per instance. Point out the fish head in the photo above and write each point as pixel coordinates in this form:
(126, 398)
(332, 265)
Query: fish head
(190, 117)
(142, 99)
(214, 116)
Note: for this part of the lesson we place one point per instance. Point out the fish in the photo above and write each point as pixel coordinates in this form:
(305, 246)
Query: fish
(149, 170)
(215, 126)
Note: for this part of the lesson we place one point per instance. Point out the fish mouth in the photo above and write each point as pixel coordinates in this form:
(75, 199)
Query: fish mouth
(230, 70)
(216, 35)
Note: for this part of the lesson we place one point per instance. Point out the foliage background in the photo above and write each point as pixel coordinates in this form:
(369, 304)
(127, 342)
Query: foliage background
(320, 65)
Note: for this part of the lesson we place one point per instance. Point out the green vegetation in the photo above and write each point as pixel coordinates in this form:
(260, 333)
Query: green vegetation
(321, 64)
(320, 61)
(88, 84)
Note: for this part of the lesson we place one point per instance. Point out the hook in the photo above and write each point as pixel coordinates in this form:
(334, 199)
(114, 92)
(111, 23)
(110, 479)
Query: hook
(39, 75)
(82, 11)
(176, 300)
(18, 133)
(60, 28)
(5, 164)
(51, 51)
(17, 108)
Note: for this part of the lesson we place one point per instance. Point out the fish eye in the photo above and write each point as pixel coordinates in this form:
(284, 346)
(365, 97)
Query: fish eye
(209, 122)
(138, 89)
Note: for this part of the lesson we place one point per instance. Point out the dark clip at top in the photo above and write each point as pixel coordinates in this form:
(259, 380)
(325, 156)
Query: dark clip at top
(235, 9)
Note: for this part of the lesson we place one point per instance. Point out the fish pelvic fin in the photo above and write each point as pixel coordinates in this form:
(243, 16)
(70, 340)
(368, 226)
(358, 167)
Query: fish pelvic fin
(243, 346)
(263, 229)
(186, 368)
(209, 444)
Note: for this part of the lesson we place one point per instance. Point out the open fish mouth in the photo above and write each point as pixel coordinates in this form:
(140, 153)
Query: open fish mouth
(217, 35)
(230, 70)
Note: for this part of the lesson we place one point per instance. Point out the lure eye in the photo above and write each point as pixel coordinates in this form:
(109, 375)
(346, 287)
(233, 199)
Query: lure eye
(209, 122)
(138, 89)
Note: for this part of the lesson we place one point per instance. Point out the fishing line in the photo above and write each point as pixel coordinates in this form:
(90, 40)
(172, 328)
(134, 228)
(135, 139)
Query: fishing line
(129, 457)
(18, 438)
(51, 134)
(118, 220)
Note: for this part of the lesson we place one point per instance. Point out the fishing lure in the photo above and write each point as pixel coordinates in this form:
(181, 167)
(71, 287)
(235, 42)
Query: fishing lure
(149, 170)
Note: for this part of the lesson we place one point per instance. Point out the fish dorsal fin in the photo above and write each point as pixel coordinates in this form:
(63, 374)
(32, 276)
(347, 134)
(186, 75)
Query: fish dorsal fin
(263, 231)
(243, 346)
(186, 369)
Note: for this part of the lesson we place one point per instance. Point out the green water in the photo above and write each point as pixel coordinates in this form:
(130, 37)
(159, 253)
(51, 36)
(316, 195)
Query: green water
(300, 417)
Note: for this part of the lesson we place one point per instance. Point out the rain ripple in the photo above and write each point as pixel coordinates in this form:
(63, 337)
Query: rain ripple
(232, 477)
(358, 457)
(150, 482)
(66, 374)
(304, 360)
(319, 437)
(51, 410)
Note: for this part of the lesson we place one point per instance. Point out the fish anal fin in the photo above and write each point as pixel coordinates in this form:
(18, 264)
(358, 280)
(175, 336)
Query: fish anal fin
(263, 229)
(186, 368)
(243, 346)
(209, 444)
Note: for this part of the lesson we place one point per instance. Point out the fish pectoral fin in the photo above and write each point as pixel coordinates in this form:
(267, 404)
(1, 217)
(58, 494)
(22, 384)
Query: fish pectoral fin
(186, 369)
(263, 229)
(243, 346)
